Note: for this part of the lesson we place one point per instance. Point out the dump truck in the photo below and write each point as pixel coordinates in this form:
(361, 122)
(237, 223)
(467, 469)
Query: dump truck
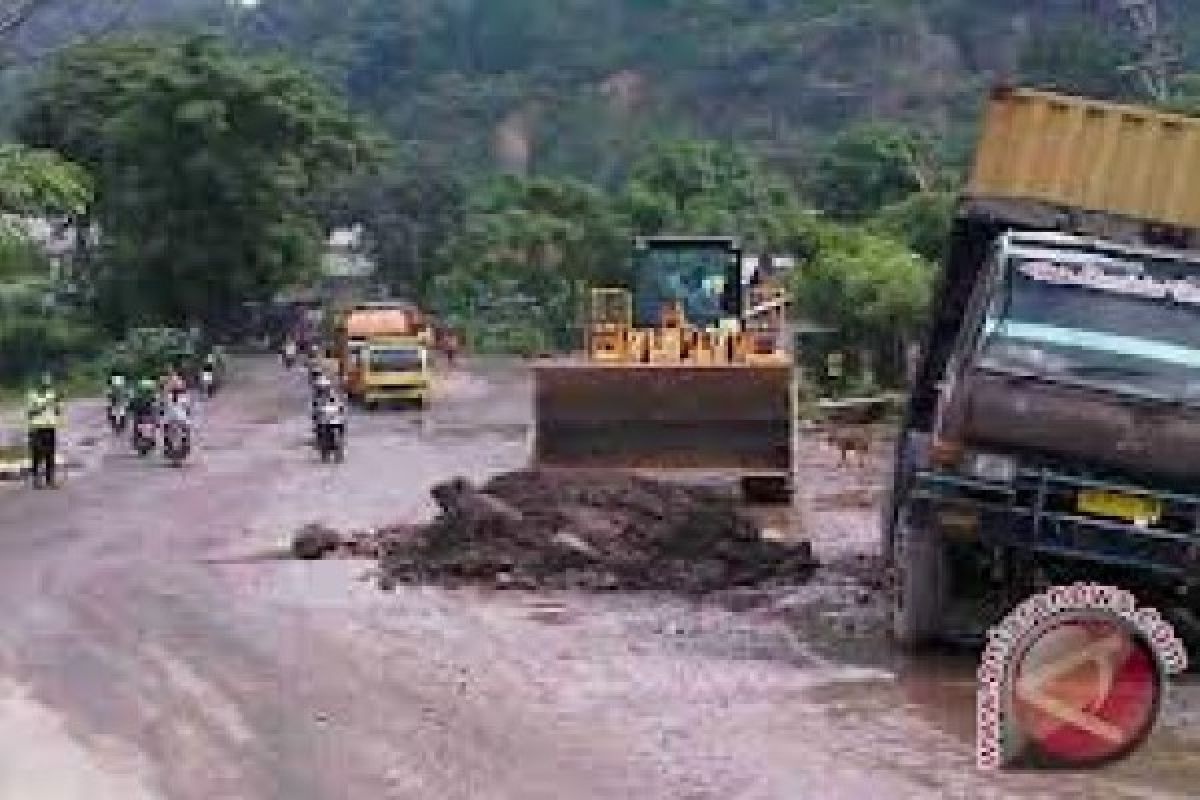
(1052, 432)
(383, 355)
(673, 377)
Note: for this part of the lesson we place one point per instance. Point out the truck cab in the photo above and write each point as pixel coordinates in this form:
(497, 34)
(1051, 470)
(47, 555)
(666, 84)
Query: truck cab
(1065, 444)
(383, 356)
(385, 369)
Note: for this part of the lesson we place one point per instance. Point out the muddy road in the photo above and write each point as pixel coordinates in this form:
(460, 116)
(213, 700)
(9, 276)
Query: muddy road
(152, 647)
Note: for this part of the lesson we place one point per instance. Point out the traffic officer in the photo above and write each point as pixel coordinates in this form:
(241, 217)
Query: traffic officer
(44, 415)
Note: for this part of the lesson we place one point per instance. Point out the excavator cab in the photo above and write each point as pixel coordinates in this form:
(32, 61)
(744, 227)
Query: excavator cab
(700, 273)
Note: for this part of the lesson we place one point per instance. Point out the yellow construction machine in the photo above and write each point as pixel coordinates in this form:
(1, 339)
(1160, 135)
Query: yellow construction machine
(681, 373)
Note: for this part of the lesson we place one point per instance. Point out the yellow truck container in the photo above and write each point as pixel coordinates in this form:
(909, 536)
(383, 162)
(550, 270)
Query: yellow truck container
(1088, 155)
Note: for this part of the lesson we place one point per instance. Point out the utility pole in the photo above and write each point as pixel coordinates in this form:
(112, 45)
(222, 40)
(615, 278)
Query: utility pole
(1158, 56)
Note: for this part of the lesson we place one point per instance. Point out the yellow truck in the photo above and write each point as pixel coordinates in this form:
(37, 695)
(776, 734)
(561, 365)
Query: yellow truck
(383, 356)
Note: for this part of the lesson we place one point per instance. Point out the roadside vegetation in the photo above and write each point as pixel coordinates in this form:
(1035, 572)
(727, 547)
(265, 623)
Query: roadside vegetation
(184, 172)
(500, 156)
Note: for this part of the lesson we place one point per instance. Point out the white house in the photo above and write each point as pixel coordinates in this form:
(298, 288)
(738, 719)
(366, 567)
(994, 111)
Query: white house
(346, 254)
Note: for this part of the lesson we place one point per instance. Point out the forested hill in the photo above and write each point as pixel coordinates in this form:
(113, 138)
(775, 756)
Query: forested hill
(576, 86)
(832, 130)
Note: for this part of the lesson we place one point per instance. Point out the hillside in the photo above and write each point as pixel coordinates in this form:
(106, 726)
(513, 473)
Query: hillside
(577, 86)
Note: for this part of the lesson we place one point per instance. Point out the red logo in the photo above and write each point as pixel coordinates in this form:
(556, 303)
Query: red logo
(1085, 690)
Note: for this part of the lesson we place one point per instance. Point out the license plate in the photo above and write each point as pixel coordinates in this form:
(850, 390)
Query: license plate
(1129, 507)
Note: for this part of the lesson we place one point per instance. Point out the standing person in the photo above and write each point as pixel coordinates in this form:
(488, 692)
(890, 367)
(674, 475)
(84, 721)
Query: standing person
(450, 346)
(44, 414)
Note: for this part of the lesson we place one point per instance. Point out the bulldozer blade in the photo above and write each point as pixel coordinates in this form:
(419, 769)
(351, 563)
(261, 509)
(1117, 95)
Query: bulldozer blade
(735, 417)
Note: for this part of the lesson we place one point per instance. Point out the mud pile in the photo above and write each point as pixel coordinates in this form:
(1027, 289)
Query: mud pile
(316, 541)
(591, 530)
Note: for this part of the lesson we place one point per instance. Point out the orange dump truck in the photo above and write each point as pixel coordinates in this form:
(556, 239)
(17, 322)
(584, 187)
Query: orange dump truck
(383, 355)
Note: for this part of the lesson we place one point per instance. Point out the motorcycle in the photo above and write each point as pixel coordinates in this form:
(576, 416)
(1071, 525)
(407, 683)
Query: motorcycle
(118, 415)
(145, 436)
(330, 427)
(208, 382)
(177, 442)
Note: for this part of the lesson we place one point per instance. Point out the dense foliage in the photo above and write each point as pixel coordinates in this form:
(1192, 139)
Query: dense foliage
(202, 160)
(535, 138)
(574, 86)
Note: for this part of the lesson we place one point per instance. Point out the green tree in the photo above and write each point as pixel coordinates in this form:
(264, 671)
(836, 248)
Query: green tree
(538, 240)
(703, 187)
(1185, 93)
(35, 183)
(921, 221)
(409, 213)
(204, 161)
(41, 182)
(874, 290)
(868, 167)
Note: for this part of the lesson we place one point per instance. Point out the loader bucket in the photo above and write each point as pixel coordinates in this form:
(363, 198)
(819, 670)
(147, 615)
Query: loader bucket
(673, 416)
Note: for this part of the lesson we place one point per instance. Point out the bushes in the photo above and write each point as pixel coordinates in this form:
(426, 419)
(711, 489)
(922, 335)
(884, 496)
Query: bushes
(30, 345)
(150, 352)
(873, 290)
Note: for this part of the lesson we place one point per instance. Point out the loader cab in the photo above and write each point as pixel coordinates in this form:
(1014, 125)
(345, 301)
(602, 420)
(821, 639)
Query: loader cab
(700, 273)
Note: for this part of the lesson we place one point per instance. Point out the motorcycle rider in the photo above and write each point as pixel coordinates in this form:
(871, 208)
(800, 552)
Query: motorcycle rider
(44, 414)
(144, 405)
(144, 402)
(172, 382)
(327, 411)
(118, 395)
(208, 374)
(118, 389)
(322, 392)
(177, 406)
(289, 352)
(177, 410)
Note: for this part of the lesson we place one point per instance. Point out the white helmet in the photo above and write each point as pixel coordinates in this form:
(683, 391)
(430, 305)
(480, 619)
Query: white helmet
(323, 382)
(117, 381)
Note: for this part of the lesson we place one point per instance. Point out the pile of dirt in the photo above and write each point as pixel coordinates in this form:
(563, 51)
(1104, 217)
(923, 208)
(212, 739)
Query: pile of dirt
(591, 530)
(316, 541)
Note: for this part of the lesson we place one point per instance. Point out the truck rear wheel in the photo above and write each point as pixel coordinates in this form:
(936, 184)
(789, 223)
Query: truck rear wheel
(919, 594)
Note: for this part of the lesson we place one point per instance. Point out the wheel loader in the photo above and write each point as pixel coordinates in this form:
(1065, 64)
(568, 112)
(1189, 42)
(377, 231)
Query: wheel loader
(678, 373)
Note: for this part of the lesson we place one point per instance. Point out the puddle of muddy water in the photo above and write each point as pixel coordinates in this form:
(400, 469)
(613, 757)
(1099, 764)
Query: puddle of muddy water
(553, 614)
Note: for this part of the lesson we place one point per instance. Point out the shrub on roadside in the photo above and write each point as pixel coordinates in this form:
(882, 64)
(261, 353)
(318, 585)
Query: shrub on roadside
(30, 345)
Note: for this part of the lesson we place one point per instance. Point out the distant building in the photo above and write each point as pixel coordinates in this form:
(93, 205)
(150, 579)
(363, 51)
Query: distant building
(346, 254)
(756, 267)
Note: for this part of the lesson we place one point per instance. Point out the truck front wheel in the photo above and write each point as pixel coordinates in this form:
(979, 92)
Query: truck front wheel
(919, 593)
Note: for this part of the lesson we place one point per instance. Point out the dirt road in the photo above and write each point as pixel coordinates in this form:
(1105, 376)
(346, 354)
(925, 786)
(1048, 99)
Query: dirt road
(149, 650)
